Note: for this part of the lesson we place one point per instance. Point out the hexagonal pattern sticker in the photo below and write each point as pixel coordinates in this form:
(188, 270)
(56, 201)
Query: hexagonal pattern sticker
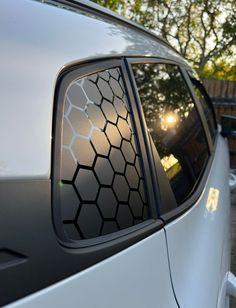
(102, 186)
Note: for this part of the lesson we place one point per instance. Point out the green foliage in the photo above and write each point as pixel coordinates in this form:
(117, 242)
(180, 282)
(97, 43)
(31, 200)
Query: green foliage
(221, 71)
(203, 31)
(229, 28)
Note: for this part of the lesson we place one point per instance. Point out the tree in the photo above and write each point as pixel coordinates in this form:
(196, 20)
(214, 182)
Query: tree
(221, 70)
(204, 32)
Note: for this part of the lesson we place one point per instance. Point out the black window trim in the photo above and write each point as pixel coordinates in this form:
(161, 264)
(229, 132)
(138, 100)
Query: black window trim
(176, 210)
(131, 234)
(210, 104)
(199, 108)
(201, 87)
(189, 76)
(162, 189)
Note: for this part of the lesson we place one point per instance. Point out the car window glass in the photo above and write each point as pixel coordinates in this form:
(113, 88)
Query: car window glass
(173, 124)
(102, 184)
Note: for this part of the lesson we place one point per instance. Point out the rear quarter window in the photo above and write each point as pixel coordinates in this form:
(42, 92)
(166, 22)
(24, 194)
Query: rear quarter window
(100, 186)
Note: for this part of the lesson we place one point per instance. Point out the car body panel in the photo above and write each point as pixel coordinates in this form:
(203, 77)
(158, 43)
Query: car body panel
(198, 241)
(136, 277)
(37, 42)
(182, 265)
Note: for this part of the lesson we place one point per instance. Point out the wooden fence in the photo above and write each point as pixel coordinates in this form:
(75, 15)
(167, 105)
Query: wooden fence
(221, 90)
(223, 95)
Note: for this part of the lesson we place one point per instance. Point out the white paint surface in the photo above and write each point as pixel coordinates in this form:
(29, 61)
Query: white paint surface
(198, 242)
(37, 41)
(137, 277)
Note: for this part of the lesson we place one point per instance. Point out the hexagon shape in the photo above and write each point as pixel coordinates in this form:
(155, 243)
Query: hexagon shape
(71, 231)
(80, 122)
(86, 184)
(104, 171)
(109, 227)
(124, 129)
(79, 81)
(128, 151)
(125, 100)
(138, 166)
(89, 221)
(124, 216)
(100, 143)
(116, 88)
(122, 84)
(142, 191)
(120, 108)
(121, 188)
(105, 89)
(67, 132)
(136, 204)
(109, 111)
(107, 202)
(66, 106)
(133, 143)
(92, 91)
(93, 77)
(69, 202)
(145, 212)
(128, 119)
(76, 96)
(68, 165)
(83, 151)
(96, 116)
(132, 176)
(104, 75)
(115, 73)
(117, 160)
(113, 135)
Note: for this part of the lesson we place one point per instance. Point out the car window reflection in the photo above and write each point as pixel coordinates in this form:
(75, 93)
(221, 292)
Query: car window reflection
(173, 123)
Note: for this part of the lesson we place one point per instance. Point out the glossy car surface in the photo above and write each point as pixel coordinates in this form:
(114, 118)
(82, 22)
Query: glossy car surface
(91, 214)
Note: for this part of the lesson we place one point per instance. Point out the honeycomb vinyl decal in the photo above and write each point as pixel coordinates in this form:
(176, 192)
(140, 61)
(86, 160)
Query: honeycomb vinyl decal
(102, 186)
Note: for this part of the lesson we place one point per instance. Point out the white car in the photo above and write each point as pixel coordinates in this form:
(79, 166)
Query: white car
(114, 179)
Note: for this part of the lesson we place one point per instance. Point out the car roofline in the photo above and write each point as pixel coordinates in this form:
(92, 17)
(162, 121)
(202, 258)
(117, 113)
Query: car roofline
(92, 7)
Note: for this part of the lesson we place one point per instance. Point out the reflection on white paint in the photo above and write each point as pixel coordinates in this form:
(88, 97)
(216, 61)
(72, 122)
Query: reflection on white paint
(212, 200)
